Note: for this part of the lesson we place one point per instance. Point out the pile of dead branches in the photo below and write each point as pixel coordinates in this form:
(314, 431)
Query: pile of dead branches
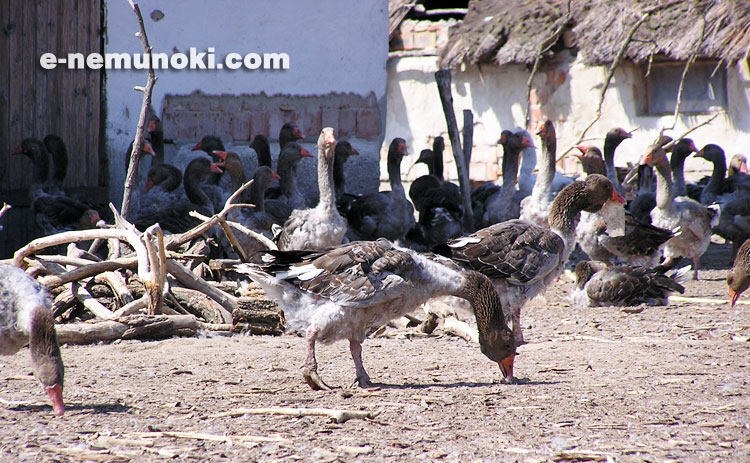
(150, 286)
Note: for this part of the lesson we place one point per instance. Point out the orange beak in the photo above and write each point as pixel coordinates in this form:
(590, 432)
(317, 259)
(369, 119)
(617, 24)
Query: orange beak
(149, 185)
(699, 154)
(542, 130)
(506, 365)
(297, 133)
(647, 159)
(526, 143)
(197, 147)
(617, 197)
(305, 154)
(95, 219)
(55, 396)
(151, 125)
(582, 148)
(216, 168)
(275, 176)
(733, 296)
(402, 149)
(148, 149)
(354, 151)
(743, 167)
(330, 138)
(221, 154)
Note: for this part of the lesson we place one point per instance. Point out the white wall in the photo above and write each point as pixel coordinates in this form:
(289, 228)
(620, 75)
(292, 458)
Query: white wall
(333, 45)
(497, 97)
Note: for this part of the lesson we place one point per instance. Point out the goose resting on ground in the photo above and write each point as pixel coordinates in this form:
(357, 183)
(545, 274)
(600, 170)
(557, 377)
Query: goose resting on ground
(738, 278)
(343, 292)
(598, 285)
(25, 317)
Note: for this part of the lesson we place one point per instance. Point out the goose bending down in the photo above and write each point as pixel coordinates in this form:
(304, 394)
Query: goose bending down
(505, 204)
(535, 208)
(599, 285)
(345, 291)
(175, 218)
(386, 214)
(738, 278)
(56, 212)
(522, 259)
(25, 318)
(321, 226)
(692, 218)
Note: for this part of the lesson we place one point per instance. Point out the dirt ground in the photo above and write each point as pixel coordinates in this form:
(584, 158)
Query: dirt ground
(665, 384)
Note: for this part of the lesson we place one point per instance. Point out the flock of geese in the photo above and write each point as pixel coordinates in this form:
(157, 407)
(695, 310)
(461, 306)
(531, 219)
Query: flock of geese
(351, 263)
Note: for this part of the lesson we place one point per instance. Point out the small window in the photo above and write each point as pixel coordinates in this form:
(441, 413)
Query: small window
(702, 91)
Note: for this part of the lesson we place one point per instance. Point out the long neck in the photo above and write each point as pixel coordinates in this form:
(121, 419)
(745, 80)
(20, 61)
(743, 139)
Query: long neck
(264, 155)
(325, 178)
(510, 172)
(610, 145)
(288, 182)
(677, 164)
(339, 181)
(237, 176)
(257, 195)
(394, 173)
(565, 213)
(45, 351)
(664, 190)
(195, 193)
(717, 177)
(437, 163)
(41, 165)
(494, 335)
(157, 143)
(547, 167)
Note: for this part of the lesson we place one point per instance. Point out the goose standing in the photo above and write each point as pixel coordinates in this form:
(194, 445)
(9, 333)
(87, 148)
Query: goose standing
(342, 152)
(290, 195)
(386, 214)
(522, 259)
(535, 208)
(506, 204)
(693, 219)
(25, 317)
(59, 155)
(680, 151)
(262, 150)
(599, 285)
(321, 226)
(208, 145)
(345, 291)
(611, 141)
(289, 133)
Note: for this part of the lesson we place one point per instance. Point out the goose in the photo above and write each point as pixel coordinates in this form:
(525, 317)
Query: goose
(59, 155)
(53, 213)
(535, 208)
(342, 152)
(611, 141)
(522, 259)
(440, 213)
(175, 218)
(599, 285)
(645, 199)
(166, 176)
(640, 246)
(386, 214)
(289, 133)
(737, 165)
(290, 195)
(680, 151)
(345, 291)
(321, 226)
(738, 278)
(26, 318)
(719, 188)
(256, 219)
(262, 150)
(692, 218)
(505, 204)
(528, 163)
(208, 144)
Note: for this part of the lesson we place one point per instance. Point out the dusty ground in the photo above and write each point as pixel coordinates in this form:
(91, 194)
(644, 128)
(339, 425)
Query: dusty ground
(666, 384)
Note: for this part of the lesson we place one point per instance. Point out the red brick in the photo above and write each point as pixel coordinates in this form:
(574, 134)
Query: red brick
(347, 126)
(206, 123)
(241, 125)
(259, 123)
(187, 125)
(311, 124)
(368, 123)
(223, 126)
(330, 118)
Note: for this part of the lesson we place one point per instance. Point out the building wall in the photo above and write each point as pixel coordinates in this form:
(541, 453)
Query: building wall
(564, 91)
(332, 49)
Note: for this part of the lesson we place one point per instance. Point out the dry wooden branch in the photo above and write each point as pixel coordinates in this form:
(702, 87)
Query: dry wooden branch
(132, 307)
(6, 207)
(193, 281)
(134, 327)
(456, 327)
(691, 130)
(443, 79)
(213, 437)
(63, 238)
(90, 303)
(202, 306)
(139, 132)
(87, 271)
(337, 416)
(259, 316)
(119, 286)
(468, 134)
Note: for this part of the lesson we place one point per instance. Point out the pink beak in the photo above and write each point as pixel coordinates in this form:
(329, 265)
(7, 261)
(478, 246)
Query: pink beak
(297, 133)
(221, 154)
(197, 147)
(275, 176)
(305, 153)
(148, 149)
(617, 196)
(506, 365)
(55, 396)
(216, 168)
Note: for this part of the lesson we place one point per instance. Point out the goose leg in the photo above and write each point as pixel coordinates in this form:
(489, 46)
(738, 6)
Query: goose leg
(310, 367)
(362, 379)
(695, 268)
(515, 316)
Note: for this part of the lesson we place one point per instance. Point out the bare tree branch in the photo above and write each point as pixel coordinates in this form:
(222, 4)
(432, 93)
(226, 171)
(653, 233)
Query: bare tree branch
(139, 132)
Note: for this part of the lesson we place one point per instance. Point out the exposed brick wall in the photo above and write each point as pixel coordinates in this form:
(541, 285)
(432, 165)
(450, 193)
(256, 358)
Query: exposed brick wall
(421, 35)
(241, 117)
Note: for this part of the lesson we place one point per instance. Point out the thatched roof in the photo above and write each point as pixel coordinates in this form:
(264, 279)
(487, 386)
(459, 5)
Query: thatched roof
(514, 31)
(397, 11)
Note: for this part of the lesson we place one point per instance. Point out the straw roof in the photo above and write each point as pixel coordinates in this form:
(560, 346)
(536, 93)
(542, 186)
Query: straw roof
(514, 31)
